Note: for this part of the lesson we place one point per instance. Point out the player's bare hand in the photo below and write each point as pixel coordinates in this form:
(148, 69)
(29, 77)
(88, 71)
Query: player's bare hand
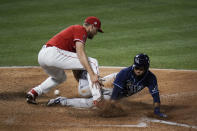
(94, 78)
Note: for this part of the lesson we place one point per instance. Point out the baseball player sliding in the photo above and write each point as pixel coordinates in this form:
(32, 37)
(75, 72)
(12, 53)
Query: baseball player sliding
(127, 82)
(66, 51)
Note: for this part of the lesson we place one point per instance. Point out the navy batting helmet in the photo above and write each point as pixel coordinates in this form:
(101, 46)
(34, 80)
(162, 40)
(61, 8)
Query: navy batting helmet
(141, 60)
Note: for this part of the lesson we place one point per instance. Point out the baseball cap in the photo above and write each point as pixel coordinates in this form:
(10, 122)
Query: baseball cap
(94, 21)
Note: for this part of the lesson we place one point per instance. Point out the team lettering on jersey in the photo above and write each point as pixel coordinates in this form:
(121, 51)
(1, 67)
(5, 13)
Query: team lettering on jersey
(132, 88)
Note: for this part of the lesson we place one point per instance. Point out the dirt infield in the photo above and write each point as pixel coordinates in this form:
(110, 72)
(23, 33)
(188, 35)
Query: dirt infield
(178, 92)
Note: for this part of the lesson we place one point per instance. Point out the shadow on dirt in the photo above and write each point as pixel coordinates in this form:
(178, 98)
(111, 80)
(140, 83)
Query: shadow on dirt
(12, 95)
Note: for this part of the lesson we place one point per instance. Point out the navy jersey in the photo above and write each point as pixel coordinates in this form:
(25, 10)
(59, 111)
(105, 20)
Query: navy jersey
(127, 84)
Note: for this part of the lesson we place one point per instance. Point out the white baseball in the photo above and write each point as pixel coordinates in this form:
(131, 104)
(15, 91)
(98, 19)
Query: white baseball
(56, 92)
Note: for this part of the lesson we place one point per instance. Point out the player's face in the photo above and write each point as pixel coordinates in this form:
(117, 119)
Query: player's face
(139, 71)
(93, 31)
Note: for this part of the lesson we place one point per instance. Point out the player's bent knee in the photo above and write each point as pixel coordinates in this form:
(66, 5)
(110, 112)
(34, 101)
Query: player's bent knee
(85, 91)
(83, 87)
(60, 79)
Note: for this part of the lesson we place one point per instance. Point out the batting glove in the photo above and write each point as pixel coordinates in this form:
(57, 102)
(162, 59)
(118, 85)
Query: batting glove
(158, 113)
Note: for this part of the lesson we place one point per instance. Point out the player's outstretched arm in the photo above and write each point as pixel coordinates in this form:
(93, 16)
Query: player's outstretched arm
(156, 101)
(84, 61)
(153, 89)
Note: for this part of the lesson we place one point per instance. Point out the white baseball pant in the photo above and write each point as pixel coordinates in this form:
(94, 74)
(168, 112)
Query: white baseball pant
(84, 102)
(88, 102)
(54, 61)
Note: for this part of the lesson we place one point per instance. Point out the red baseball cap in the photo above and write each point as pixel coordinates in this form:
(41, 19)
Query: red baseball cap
(94, 21)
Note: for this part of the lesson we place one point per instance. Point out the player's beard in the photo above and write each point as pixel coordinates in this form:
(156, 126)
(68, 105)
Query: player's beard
(90, 36)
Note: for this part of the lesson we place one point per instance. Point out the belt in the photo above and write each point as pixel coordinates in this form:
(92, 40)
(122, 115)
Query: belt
(48, 46)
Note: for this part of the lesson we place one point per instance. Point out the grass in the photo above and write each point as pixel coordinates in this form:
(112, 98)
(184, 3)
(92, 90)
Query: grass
(165, 30)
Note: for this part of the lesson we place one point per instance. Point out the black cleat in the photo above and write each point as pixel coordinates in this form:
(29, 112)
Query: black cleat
(31, 99)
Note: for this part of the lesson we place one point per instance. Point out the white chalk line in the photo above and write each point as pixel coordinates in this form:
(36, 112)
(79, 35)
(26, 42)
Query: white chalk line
(115, 67)
(11, 121)
(140, 125)
(168, 123)
(143, 124)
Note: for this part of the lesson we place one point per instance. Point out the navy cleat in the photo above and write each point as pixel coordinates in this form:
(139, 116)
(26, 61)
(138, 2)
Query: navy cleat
(55, 101)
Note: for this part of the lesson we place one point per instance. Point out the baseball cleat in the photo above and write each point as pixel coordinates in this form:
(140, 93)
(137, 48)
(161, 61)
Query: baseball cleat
(30, 99)
(54, 101)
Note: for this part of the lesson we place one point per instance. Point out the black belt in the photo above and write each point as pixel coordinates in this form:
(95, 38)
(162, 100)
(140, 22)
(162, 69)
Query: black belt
(49, 46)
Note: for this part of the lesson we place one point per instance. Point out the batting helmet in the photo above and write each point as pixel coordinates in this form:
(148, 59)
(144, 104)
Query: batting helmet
(141, 60)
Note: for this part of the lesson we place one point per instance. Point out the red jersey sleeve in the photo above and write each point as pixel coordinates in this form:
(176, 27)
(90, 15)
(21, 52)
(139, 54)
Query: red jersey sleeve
(80, 34)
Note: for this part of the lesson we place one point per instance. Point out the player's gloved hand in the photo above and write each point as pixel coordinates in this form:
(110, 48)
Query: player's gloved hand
(158, 113)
